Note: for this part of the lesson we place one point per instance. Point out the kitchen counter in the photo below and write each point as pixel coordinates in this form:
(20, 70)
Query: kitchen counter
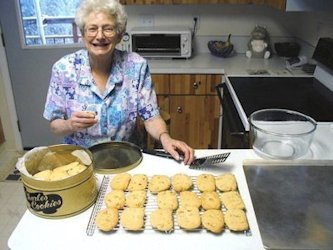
(34, 232)
(237, 65)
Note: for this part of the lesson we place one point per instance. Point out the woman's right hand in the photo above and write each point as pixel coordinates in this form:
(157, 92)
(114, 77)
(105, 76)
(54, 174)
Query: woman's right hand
(82, 120)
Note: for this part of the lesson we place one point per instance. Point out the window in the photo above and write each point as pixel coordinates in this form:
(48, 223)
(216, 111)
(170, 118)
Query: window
(48, 22)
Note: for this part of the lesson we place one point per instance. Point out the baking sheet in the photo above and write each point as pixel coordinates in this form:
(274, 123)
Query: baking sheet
(293, 202)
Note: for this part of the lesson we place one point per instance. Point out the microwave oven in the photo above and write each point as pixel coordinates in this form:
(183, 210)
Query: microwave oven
(161, 41)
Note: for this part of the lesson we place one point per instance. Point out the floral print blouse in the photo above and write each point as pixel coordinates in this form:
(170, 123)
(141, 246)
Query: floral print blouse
(129, 92)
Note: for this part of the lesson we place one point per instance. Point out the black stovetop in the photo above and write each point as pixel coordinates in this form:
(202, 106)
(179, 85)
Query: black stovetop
(303, 94)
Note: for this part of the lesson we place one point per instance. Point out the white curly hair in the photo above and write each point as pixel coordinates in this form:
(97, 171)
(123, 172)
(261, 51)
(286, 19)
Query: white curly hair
(110, 7)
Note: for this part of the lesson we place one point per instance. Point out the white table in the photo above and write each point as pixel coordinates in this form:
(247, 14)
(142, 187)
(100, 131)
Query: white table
(35, 233)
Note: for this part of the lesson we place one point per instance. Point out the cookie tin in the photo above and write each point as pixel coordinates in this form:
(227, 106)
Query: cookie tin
(62, 198)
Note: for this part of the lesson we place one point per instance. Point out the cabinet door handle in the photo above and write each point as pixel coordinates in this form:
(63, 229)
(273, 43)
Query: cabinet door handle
(179, 110)
(196, 85)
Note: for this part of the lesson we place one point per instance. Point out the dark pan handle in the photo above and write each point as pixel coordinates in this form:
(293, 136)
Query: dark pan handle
(157, 153)
(163, 154)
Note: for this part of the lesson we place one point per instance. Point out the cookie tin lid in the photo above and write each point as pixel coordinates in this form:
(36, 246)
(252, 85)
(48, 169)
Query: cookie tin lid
(115, 157)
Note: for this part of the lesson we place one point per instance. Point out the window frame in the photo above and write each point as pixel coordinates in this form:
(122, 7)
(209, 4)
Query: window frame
(19, 18)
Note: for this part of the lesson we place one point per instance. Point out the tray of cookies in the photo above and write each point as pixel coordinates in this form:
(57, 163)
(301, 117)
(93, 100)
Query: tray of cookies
(178, 203)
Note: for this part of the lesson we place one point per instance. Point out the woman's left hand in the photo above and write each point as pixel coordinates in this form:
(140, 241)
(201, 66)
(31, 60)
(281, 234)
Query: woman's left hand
(176, 147)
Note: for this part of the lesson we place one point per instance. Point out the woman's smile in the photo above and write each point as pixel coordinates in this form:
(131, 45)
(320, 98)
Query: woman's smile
(100, 45)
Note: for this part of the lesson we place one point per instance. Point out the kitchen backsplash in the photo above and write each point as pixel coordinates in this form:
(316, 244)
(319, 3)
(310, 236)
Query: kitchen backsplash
(237, 19)
(216, 21)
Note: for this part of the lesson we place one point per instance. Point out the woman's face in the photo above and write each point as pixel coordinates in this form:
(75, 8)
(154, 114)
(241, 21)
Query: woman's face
(100, 36)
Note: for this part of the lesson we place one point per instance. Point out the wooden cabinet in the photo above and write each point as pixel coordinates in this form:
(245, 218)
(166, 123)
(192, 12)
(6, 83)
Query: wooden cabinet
(130, 2)
(279, 4)
(193, 105)
(162, 88)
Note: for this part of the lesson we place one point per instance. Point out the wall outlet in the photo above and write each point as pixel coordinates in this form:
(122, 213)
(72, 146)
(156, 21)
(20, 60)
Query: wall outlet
(147, 20)
(196, 20)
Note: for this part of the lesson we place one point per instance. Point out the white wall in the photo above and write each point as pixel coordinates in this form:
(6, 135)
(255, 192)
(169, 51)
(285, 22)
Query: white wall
(218, 20)
(215, 18)
(309, 26)
(9, 149)
(7, 107)
(222, 19)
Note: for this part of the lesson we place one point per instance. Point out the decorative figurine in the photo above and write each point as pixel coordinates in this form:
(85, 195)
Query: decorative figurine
(258, 45)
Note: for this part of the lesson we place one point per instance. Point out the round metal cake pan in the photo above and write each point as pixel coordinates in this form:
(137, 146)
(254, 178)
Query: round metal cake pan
(115, 157)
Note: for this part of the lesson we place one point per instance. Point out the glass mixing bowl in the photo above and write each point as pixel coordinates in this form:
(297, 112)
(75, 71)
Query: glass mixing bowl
(280, 133)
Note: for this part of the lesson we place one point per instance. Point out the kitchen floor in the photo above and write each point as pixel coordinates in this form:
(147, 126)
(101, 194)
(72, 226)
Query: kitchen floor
(12, 201)
(12, 208)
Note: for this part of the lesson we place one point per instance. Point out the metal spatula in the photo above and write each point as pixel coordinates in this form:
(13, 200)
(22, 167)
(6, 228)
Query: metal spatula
(198, 163)
(209, 161)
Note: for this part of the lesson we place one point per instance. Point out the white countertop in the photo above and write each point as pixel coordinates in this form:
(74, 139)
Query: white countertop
(321, 146)
(205, 63)
(34, 232)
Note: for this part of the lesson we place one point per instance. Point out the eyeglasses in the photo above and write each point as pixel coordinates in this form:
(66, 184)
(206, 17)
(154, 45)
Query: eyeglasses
(108, 31)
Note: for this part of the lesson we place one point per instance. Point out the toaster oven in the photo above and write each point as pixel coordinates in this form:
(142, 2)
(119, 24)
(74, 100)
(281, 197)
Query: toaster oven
(161, 41)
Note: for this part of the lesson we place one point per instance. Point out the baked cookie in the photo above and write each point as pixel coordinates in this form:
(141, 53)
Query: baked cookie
(213, 220)
(43, 175)
(107, 219)
(188, 218)
(136, 198)
(132, 218)
(189, 199)
(138, 182)
(91, 113)
(206, 182)
(159, 183)
(210, 200)
(236, 220)
(226, 182)
(76, 169)
(58, 174)
(66, 167)
(181, 182)
(61, 172)
(71, 168)
(232, 200)
(167, 199)
(120, 181)
(162, 219)
(115, 199)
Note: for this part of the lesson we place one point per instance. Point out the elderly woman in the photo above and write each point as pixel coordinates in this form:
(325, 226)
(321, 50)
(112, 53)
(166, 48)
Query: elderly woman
(96, 94)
